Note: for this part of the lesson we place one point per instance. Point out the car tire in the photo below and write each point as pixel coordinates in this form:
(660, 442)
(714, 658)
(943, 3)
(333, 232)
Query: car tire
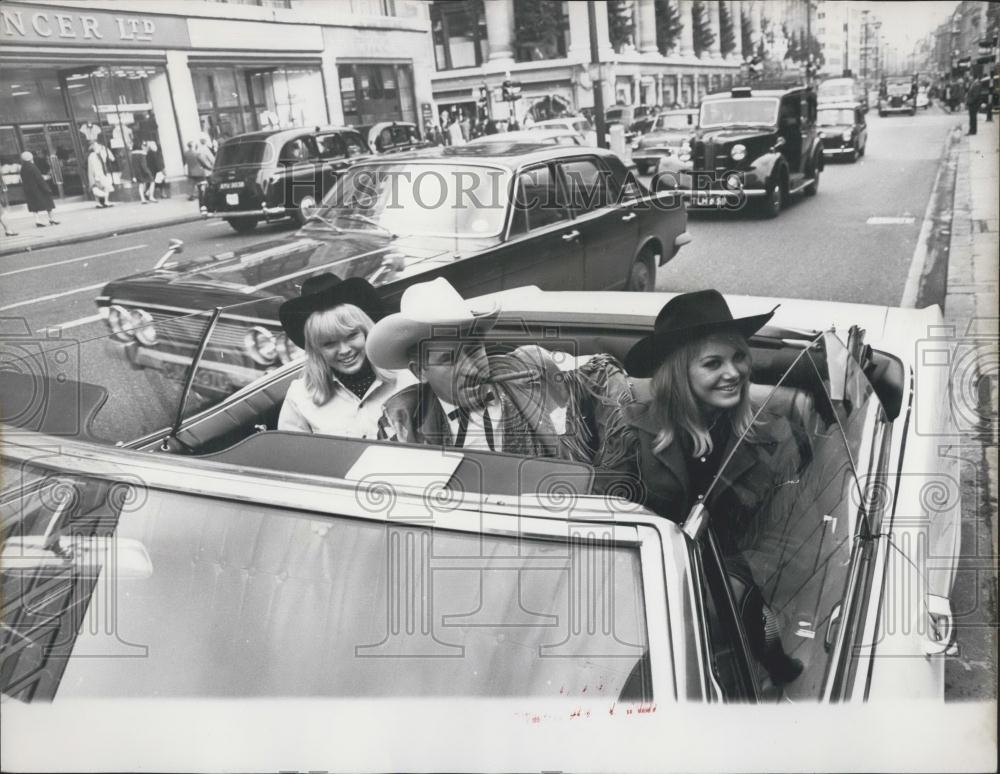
(642, 275)
(773, 200)
(813, 187)
(855, 153)
(861, 150)
(242, 225)
(881, 114)
(642, 169)
(306, 205)
(913, 111)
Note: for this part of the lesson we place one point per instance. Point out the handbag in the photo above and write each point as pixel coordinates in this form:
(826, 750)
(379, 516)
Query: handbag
(158, 178)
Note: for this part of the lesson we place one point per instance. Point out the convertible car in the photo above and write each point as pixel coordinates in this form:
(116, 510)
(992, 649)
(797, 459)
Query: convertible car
(164, 542)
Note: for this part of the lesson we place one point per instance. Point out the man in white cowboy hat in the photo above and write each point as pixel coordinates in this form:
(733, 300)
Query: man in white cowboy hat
(519, 402)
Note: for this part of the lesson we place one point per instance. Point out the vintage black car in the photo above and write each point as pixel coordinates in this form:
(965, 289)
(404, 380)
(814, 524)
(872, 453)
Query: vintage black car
(486, 218)
(843, 129)
(755, 146)
(274, 174)
(670, 133)
(848, 89)
(898, 94)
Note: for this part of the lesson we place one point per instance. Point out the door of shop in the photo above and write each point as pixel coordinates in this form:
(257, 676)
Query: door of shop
(55, 155)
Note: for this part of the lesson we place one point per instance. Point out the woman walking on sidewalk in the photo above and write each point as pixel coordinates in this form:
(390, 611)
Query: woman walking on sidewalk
(140, 169)
(97, 172)
(36, 191)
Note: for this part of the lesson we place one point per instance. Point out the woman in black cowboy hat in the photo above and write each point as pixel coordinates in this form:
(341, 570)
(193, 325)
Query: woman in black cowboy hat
(694, 417)
(339, 392)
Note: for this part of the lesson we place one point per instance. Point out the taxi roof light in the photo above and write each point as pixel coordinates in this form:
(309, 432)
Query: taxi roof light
(741, 91)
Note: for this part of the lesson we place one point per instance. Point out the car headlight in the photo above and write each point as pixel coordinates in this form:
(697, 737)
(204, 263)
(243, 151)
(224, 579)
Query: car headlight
(120, 323)
(261, 345)
(636, 145)
(739, 152)
(732, 181)
(846, 135)
(288, 350)
(143, 328)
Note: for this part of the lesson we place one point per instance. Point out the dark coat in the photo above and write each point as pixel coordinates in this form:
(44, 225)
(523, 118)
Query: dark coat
(36, 188)
(772, 455)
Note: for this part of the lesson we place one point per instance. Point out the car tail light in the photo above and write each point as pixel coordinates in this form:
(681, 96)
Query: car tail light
(143, 328)
(288, 350)
(261, 345)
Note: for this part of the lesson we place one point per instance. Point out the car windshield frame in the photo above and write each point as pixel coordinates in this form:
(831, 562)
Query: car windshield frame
(357, 184)
(759, 118)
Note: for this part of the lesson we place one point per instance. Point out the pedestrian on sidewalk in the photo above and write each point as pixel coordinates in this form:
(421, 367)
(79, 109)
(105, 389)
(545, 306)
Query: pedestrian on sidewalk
(972, 99)
(991, 97)
(101, 183)
(199, 165)
(140, 172)
(36, 191)
(154, 158)
(3, 210)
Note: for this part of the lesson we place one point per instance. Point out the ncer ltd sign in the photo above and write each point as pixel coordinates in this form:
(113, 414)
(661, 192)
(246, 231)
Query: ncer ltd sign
(32, 25)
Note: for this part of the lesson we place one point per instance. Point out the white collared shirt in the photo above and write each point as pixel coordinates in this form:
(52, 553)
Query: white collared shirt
(475, 434)
(345, 413)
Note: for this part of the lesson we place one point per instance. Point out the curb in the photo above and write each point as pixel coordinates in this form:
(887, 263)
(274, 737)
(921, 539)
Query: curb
(94, 235)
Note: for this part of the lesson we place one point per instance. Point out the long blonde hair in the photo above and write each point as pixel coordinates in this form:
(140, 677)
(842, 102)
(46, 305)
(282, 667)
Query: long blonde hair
(342, 320)
(676, 407)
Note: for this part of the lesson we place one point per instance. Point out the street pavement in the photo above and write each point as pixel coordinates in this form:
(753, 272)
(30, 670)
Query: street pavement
(913, 223)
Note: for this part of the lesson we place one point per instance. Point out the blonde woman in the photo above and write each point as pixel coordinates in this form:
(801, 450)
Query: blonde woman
(698, 410)
(340, 392)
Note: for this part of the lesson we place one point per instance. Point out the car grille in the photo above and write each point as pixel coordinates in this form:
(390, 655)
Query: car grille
(188, 331)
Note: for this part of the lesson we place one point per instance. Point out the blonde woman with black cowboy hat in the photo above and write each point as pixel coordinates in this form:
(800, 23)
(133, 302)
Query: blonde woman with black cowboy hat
(339, 392)
(693, 419)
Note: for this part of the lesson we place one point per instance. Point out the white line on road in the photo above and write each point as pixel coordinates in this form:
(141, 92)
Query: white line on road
(877, 220)
(51, 297)
(72, 260)
(71, 324)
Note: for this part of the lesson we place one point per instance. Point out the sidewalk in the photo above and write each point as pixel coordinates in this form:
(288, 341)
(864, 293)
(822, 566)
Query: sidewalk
(971, 310)
(80, 221)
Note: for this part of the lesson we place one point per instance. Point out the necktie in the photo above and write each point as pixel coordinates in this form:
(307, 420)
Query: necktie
(462, 416)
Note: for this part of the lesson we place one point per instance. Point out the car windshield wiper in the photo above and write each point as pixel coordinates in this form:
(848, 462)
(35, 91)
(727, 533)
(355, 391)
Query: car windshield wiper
(365, 219)
(317, 217)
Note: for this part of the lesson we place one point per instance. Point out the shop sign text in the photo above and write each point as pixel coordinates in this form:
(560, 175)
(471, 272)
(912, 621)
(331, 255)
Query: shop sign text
(27, 24)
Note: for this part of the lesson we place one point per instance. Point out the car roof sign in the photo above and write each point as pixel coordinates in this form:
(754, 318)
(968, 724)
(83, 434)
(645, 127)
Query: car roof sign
(741, 91)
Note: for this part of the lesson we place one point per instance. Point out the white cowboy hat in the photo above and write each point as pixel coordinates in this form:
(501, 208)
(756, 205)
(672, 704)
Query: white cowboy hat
(427, 309)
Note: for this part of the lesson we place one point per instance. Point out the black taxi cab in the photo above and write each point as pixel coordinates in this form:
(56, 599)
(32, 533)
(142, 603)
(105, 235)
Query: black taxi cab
(753, 146)
(843, 129)
(275, 174)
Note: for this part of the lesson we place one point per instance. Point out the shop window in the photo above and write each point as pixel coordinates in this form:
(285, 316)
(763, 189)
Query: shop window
(371, 93)
(459, 32)
(31, 95)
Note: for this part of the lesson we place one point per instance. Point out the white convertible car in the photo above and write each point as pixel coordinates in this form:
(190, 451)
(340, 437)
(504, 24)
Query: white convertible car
(163, 543)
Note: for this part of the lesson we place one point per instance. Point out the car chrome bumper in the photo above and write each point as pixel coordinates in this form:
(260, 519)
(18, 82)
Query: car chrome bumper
(836, 151)
(263, 212)
(709, 198)
(213, 375)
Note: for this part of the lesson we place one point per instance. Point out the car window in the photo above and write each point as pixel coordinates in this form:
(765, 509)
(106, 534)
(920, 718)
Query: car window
(319, 604)
(354, 144)
(761, 110)
(237, 151)
(835, 116)
(583, 125)
(331, 146)
(539, 201)
(384, 140)
(787, 505)
(297, 151)
(587, 185)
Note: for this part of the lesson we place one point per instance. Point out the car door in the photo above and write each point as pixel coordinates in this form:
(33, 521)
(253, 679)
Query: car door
(300, 160)
(333, 155)
(543, 247)
(608, 230)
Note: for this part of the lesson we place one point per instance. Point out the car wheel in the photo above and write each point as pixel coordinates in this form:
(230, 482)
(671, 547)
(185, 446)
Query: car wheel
(861, 150)
(642, 277)
(242, 225)
(771, 204)
(306, 205)
(913, 111)
(881, 114)
(813, 187)
(855, 152)
(642, 169)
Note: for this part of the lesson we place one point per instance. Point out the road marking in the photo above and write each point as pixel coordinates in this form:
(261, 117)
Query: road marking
(71, 324)
(886, 221)
(72, 260)
(918, 264)
(51, 297)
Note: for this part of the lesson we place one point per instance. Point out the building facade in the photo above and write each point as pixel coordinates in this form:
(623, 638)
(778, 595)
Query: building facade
(545, 46)
(74, 71)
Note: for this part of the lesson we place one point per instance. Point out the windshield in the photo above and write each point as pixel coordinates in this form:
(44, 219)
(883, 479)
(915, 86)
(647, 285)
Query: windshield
(897, 88)
(236, 152)
(833, 117)
(416, 199)
(792, 504)
(836, 90)
(676, 121)
(739, 111)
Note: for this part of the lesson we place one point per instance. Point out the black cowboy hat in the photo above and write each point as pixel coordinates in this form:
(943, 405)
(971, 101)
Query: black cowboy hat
(685, 318)
(322, 292)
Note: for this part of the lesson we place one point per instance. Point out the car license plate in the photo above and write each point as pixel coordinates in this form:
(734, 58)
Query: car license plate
(232, 199)
(708, 200)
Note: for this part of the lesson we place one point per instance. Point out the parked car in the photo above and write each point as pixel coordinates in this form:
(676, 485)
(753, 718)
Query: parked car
(278, 173)
(577, 124)
(392, 136)
(485, 217)
(842, 90)
(753, 146)
(234, 561)
(843, 130)
(531, 137)
(670, 134)
(898, 94)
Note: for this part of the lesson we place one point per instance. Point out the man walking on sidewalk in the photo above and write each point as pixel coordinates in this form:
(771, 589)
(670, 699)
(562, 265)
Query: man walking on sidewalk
(972, 99)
